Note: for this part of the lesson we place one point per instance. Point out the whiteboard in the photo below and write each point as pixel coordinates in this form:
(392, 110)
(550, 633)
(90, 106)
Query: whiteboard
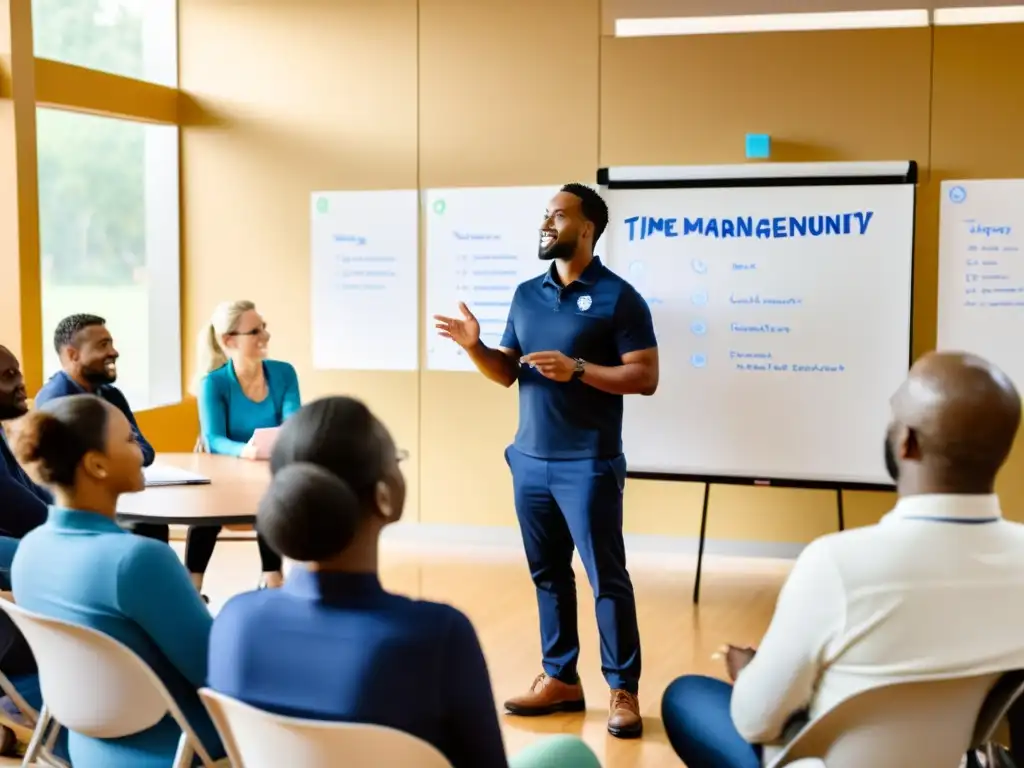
(783, 315)
(981, 271)
(364, 280)
(481, 243)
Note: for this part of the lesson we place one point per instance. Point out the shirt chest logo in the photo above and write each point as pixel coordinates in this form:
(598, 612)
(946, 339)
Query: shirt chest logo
(584, 302)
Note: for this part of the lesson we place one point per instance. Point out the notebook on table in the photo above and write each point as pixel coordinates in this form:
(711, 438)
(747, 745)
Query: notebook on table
(163, 474)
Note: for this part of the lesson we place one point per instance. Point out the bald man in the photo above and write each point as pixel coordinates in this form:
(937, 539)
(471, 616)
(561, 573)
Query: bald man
(930, 590)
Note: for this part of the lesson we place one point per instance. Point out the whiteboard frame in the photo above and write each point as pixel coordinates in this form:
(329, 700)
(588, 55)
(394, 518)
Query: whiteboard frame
(771, 175)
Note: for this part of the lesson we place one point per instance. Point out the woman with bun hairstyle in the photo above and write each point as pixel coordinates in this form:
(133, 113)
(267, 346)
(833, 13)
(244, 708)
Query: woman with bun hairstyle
(80, 566)
(332, 644)
(239, 391)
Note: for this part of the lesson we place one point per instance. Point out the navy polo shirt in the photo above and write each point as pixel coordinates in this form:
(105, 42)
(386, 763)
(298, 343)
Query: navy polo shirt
(599, 318)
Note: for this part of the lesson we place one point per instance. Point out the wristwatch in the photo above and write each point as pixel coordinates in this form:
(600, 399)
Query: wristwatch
(578, 370)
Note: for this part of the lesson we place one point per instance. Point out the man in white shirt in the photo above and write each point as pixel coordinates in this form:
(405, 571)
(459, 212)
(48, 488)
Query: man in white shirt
(934, 589)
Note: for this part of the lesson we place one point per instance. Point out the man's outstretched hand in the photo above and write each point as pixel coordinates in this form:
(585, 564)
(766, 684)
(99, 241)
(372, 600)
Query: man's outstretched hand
(464, 331)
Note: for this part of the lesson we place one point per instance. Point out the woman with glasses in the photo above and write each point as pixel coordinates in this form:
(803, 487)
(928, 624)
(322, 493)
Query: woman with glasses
(239, 392)
(333, 644)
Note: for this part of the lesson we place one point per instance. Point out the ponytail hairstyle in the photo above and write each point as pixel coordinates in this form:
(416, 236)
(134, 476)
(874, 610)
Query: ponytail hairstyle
(52, 440)
(210, 352)
(326, 463)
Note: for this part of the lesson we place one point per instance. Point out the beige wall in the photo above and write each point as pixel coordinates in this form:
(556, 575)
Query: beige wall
(290, 96)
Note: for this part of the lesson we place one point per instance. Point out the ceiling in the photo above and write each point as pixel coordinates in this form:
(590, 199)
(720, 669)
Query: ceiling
(636, 9)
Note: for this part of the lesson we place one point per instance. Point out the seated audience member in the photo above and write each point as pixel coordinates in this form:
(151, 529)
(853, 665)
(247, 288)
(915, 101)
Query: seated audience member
(239, 391)
(23, 504)
(81, 567)
(927, 591)
(23, 507)
(332, 644)
(88, 362)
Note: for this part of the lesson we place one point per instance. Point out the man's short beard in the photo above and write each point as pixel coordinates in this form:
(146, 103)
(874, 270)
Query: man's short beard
(98, 378)
(561, 251)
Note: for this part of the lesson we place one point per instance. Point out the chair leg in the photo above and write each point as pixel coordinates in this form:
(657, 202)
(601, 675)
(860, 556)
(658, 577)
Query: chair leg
(51, 740)
(35, 744)
(46, 756)
(185, 754)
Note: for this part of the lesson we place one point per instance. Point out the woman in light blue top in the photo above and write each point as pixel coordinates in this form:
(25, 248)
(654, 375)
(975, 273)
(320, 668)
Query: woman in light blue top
(239, 391)
(82, 567)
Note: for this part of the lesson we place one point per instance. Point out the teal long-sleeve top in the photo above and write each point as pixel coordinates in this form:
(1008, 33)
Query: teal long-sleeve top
(228, 417)
(83, 568)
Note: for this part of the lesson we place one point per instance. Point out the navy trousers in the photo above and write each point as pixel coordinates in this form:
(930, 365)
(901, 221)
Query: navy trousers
(695, 711)
(566, 503)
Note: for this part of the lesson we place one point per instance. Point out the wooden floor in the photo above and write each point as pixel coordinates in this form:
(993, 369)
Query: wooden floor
(493, 587)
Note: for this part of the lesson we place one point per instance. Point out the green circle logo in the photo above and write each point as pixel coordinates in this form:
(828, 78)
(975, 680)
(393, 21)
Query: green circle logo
(439, 206)
(321, 204)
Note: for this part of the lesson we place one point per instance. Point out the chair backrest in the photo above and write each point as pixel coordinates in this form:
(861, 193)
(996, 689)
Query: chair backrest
(94, 685)
(926, 723)
(255, 738)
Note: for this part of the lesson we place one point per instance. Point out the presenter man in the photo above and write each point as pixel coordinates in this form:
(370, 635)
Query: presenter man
(578, 338)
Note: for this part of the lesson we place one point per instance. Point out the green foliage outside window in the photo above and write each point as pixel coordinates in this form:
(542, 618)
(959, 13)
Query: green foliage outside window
(91, 183)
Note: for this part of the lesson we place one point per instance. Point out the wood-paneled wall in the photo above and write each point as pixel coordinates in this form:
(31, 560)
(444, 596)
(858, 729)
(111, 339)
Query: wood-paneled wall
(290, 96)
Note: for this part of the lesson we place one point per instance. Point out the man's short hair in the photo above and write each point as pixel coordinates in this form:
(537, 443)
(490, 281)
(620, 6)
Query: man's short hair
(70, 326)
(595, 209)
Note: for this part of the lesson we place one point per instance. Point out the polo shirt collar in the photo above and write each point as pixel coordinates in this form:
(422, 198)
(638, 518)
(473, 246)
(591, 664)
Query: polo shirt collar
(78, 521)
(587, 277)
(948, 507)
(331, 585)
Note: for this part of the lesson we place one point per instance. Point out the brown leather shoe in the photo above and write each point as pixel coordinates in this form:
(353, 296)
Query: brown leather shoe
(624, 719)
(547, 696)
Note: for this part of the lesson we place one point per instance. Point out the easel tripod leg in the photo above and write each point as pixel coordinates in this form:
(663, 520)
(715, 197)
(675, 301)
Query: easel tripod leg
(700, 546)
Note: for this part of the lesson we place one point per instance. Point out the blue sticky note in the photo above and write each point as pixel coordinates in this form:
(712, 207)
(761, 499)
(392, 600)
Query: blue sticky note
(759, 146)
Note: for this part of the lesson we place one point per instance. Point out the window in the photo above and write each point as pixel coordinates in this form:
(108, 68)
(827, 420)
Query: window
(133, 38)
(108, 220)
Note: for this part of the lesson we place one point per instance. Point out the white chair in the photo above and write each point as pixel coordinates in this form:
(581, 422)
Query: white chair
(96, 686)
(254, 738)
(928, 723)
(30, 715)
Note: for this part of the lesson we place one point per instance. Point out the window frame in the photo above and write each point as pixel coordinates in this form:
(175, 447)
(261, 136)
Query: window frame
(28, 82)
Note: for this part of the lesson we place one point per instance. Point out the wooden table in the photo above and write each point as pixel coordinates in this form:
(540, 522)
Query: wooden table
(231, 498)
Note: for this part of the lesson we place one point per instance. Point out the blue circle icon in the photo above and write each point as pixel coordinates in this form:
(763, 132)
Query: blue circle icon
(698, 360)
(957, 194)
(699, 266)
(698, 327)
(700, 298)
